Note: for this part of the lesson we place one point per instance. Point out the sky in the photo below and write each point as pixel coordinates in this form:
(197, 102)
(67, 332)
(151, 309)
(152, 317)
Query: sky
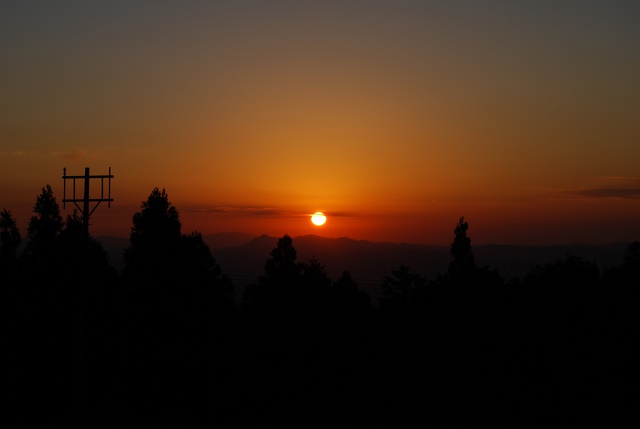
(394, 118)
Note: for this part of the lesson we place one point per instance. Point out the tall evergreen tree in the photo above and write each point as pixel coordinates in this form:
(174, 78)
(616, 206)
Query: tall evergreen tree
(10, 240)
(71, 245)
(41, 253)
(463, 261)
(152, 256)
(282, 267)
(178, 298)
(202, 275)
(161, 260)
(279, 286)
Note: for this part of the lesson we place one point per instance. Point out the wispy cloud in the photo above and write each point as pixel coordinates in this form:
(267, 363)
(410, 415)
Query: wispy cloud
(254, 211)
(341, 214)
(627, 179)
(259, 211)
(16, 153)
(72, 155)
(625, 187)
(626, 193)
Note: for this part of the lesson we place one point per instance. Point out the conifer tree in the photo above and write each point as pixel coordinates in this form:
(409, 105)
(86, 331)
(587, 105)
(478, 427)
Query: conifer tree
(152, 255)
(10, 240)
(41, 253)
(463, 261)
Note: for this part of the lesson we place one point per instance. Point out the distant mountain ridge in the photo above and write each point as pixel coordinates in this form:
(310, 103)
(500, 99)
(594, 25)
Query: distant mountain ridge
(242, 256)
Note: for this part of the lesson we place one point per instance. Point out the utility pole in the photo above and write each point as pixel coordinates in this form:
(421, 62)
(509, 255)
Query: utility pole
(86, 214)
(84, 285)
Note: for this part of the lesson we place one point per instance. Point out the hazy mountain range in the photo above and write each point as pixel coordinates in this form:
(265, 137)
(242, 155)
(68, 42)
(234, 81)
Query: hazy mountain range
(242, 256)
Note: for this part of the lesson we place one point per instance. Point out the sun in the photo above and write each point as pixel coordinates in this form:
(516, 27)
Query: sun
(318, 218)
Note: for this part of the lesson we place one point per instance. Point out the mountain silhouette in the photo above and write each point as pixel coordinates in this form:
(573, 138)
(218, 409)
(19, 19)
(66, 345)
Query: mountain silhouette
(242, 256)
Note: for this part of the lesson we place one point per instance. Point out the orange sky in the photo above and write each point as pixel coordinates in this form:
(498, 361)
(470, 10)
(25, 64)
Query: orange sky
(394, 118)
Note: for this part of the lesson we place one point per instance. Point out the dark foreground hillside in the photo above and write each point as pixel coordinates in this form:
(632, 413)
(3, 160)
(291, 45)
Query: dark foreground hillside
(169, 340)
(467, 349)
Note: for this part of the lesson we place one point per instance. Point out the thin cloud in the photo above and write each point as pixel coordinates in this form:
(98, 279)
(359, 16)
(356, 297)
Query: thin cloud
(622, 179)
(266, 212)
(261, 211)
(71, 155)
(255, 211)
(625, 193)
(17, 153)
(621, 187)
(338, 214)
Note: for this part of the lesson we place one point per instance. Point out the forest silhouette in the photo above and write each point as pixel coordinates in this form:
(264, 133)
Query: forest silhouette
(165, 341)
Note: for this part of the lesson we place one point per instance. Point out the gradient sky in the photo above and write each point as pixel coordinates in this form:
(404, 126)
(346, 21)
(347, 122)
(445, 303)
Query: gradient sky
(395, 118)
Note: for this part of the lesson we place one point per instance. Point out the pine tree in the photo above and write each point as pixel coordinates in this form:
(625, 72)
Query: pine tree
(41, 253)
(463, 261)
(10, 240)
(152, 256)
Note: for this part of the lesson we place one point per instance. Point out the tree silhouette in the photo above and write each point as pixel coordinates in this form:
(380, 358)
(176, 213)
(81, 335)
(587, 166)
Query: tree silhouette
(10, 240)
(463, 260)
(177, 305)
(202, 276)
(71, 245)
(41, 253)
(399, 288)
(12, 291)
(279, 286)
(563, 281)
(152, 255)
(620, 323)
(50, 304)
(71, 234)
(164, 262)
(315, 292)
(281, 267)
(348, 298)
(314, 276)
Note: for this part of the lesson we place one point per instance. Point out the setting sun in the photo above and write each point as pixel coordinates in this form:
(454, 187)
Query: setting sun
(318, 218)
(239, 146)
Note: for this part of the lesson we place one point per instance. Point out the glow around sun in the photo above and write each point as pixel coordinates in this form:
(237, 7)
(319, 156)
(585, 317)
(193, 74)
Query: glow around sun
(318, 218)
